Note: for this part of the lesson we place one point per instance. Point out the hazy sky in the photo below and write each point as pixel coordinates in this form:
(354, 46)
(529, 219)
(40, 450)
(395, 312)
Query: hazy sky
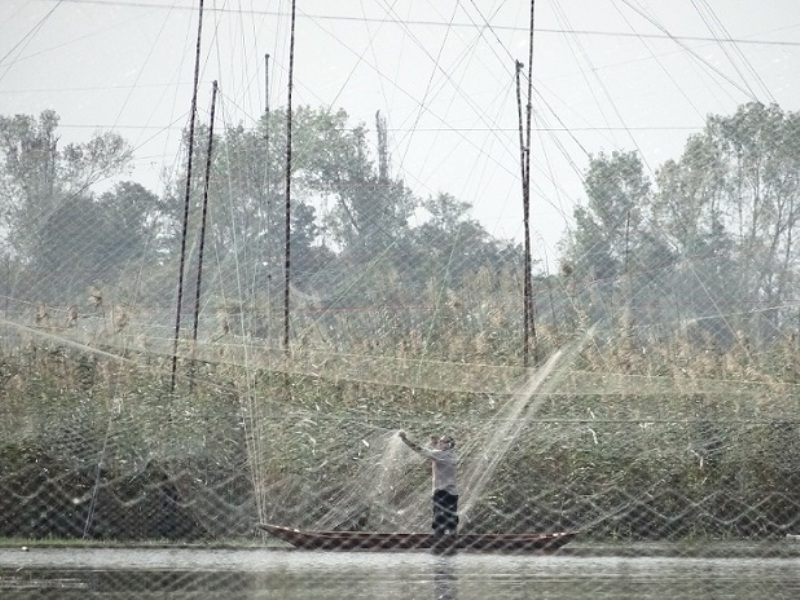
(608, 74)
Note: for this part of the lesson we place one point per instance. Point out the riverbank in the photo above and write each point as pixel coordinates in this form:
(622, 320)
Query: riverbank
(98, 449)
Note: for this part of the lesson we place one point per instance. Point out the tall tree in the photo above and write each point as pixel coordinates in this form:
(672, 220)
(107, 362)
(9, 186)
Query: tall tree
(731, 205)
(246, 215)
(43, 184)
(719, 229)
(371, 210)
(759, 147)
(339, 200)
(608, 230)
(689, 212)
(452, 245)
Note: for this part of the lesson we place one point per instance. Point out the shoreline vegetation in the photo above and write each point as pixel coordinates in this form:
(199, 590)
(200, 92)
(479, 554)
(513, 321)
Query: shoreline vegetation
(98, 449)
(679, 420)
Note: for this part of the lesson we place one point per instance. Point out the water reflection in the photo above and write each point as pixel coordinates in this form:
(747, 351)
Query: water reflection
(284, 583)
(35, 584)
(444, 579)
(69, 574)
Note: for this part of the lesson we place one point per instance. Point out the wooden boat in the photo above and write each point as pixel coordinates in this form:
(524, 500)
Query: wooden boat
(365, 540)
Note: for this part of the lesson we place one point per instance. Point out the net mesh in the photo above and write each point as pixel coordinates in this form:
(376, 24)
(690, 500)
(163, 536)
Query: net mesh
(653, 413)
(637, 437)
(615, 433)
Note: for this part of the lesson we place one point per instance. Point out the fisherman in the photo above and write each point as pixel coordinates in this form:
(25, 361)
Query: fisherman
(445, 497)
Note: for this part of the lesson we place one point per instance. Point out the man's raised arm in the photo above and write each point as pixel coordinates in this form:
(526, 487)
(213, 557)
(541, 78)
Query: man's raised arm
(426, 452)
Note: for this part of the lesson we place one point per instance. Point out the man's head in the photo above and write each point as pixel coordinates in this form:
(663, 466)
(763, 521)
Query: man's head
(446, 442)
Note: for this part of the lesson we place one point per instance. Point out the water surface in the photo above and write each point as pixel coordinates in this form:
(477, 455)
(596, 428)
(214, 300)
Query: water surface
(253, 574)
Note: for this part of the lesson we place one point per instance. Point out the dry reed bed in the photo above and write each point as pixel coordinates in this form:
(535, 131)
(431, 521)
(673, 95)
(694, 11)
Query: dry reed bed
(651, 441)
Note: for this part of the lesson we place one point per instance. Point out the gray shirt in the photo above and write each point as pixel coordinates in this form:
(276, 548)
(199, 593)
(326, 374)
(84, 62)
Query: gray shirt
(444, 468)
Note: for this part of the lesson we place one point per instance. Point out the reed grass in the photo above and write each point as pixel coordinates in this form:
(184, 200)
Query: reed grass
(650, 437)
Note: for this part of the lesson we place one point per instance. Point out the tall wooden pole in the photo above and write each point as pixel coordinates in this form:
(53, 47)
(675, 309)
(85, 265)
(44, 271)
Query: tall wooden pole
(530, 323)
(266, 85)
(205, 213)
(267, 188)
(192, 118)
(288, 211)
(524, 178)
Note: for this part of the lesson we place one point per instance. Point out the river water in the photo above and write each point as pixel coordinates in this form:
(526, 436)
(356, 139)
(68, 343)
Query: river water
(262, 573)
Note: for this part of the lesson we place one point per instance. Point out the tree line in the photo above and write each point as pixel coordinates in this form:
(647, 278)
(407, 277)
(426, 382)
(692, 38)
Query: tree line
(349, 215)
(706, 239)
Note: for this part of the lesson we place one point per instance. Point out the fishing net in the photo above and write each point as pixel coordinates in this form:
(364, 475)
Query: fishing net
(646, 439)
(611, 435)
(175, 373)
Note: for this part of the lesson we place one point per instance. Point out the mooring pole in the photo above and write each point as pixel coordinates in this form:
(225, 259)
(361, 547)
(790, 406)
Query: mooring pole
(266, 85)
(192, 117)
(524, 179)
(267, 187)
(530, 323)
(288, 211)
(205, 213)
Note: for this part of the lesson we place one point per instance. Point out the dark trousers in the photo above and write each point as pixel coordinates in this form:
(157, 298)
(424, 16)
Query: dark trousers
(445, 512)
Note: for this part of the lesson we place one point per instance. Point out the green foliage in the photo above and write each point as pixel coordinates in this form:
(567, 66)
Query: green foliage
(689, 277)
(643, 465)
(609, 230)
(711, 236)
(350, 228)
(38, 176)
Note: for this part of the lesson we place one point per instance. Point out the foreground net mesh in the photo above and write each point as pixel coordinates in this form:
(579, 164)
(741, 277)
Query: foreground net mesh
(653, 413)
(96, 447)
(623, 439)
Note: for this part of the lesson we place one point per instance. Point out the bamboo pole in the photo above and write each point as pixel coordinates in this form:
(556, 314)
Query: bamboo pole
(192, 119)
(525, 210)
(267, 188)
(530, 321)
(288, 211)
(205, 213)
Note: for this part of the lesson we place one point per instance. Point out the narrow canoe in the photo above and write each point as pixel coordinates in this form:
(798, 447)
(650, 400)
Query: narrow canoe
(365, 540)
